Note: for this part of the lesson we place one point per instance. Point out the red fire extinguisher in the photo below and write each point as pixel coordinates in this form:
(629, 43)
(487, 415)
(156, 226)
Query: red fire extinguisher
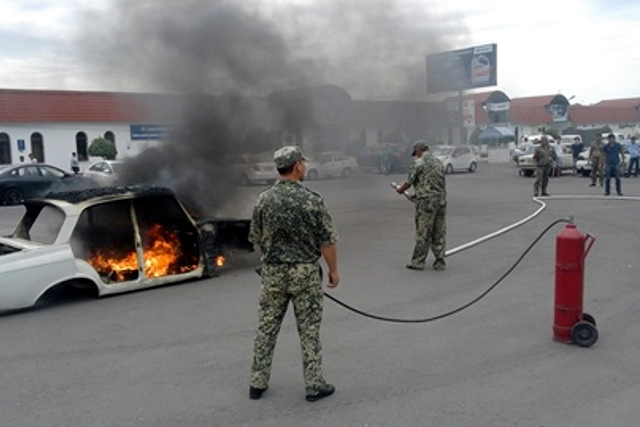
(571, 324)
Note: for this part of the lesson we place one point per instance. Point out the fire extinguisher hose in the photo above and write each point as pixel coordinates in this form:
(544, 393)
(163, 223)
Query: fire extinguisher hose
(459, 309)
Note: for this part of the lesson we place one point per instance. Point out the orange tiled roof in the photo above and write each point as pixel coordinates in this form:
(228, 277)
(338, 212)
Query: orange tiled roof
(22, 106)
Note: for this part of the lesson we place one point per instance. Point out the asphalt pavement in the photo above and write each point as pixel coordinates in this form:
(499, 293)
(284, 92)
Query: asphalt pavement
(180, 355)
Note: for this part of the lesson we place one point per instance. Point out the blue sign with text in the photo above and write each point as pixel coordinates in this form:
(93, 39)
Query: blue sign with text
(149, 132)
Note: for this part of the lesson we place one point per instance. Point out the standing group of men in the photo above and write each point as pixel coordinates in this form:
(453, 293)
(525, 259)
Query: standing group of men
(606, 162)
(293, 229)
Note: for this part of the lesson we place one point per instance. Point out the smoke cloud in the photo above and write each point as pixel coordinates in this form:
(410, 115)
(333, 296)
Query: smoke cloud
(218, 57)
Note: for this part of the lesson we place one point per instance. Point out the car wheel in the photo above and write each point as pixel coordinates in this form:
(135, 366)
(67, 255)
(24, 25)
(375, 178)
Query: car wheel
(449, 169)
(346, 172)
(585, 173)
(472, 167)
(13, 196)
(244, 180)
(312, 174)
(271, 181)
(527, 173)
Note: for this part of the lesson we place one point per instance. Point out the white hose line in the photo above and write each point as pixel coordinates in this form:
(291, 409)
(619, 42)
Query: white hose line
(542, 207)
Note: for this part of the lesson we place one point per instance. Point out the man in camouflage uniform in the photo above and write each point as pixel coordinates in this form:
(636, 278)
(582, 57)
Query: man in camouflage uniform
(543, 158)
(597, 161)
(427, 176)
(292, 227)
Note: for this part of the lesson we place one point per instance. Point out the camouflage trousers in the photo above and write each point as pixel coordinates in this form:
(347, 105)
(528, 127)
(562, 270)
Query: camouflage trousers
(431, 230)
(597, 170)
(542, 179)
(301, 284)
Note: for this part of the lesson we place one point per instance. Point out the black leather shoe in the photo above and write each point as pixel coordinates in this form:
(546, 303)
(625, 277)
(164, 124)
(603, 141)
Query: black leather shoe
(592, 184)
(256, 393)
(413, 267)
(546, 194)
(606, 194)
(620, 194)
(326, 390)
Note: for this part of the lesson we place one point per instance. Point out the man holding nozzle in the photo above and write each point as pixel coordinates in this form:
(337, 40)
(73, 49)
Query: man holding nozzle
(427, 176)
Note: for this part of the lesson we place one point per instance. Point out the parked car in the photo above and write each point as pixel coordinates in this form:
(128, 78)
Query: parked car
(330, 163)
(384, 158)
(583, 164)
(20, 182)
(456, 158)
(110, 240)
(253, 168)
(563, 163)
(104, 172)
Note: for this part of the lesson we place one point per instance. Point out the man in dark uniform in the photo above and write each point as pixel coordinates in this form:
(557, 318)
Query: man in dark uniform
(293, 228)
(543, 157)
(427, 176)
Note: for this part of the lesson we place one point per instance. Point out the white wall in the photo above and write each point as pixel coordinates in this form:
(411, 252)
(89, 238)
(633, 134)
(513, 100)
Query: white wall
(59, 140)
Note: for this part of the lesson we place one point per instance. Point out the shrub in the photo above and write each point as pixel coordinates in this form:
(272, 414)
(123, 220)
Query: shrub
(104, 148)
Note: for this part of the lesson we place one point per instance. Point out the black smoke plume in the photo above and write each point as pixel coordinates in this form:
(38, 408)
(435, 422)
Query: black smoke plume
(219, 58)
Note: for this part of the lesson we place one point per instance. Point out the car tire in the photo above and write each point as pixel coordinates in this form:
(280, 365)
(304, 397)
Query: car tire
(472, 167)
(13, 196)
(244, 180)
(312, 174)
(585, 173)
(271, 181)
(346, 172)
(449, 169)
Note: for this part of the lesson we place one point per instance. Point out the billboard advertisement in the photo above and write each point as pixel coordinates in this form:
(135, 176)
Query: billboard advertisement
(462, 69)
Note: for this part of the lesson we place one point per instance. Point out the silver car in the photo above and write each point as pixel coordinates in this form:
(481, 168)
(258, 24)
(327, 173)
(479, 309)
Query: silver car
(330, 163)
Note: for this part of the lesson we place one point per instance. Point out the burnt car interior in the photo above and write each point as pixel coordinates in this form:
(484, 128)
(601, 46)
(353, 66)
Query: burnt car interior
(168, 241)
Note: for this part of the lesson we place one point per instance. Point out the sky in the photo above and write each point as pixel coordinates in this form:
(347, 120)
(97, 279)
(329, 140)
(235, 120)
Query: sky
(587, 50)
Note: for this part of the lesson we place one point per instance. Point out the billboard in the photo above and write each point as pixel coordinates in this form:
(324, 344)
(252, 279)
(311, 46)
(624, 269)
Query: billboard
(462, 69)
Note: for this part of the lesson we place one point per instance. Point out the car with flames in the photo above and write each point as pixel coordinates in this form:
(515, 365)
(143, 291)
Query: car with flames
(329, 164)
(18, 182)
(110, 240)
(456, 158)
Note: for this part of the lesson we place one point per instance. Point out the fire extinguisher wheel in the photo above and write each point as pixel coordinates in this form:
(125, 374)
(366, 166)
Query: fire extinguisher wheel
(586, 317)
(584, 334)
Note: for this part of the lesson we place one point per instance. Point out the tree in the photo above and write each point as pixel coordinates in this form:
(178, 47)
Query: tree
(101, 147)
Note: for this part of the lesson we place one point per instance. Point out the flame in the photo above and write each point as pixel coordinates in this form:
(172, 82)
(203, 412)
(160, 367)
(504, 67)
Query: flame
(220, 260)
(161, 256)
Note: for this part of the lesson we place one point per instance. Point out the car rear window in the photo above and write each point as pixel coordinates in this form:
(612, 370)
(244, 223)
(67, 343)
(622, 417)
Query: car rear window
(46, 226)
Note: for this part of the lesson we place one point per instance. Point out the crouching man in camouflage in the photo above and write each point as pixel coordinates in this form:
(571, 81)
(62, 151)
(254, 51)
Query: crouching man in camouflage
(292, 227)
(427, 176)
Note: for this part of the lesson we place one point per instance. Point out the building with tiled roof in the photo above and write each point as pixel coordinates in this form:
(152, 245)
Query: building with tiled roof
(51, 124)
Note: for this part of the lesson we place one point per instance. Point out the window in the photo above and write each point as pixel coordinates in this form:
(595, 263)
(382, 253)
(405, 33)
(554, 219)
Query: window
(110, 136)
(5, 149)
(49, 172)
(81, 147)
(37, 146)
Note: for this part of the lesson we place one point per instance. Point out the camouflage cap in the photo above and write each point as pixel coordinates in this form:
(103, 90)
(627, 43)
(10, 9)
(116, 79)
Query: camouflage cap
(287, 156)
(419, 145)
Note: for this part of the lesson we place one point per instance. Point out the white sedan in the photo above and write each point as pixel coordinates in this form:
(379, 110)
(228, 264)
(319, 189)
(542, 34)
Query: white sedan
(104, 172)
(331, 163)
(109, 240)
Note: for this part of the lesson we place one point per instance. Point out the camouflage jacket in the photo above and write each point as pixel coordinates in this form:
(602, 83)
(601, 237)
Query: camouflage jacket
(596, 150)
(544, 156)
(290, 224)
(427, 176)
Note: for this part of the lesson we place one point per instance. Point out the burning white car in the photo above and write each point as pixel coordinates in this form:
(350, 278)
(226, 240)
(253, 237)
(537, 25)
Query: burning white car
(112, 240)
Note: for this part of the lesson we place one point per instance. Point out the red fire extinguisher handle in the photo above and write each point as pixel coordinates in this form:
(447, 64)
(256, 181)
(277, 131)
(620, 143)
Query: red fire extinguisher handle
(589, 241)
